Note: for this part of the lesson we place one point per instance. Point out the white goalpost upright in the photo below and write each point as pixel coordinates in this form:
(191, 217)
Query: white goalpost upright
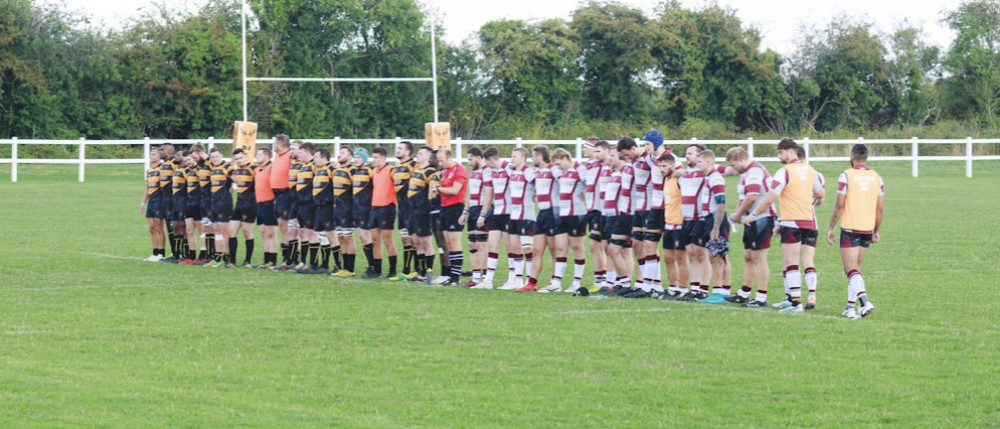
(432, 79)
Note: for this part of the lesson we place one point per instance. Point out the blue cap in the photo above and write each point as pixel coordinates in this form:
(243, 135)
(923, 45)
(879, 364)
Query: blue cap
(655, 137)
(363, 154)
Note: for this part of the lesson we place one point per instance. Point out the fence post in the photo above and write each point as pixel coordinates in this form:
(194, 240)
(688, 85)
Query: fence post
(458, 149)
(336, 145)
(750, 147)
(83, 144)
(518, 143)
(579, 148)
(211, 143)
(13, 160)
(145, 154)
(914, 152)
(968, 157)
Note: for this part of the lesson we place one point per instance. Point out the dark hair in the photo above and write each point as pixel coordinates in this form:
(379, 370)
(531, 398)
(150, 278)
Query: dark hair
(324, 152)
(544, 152)
(700, 146)
(859, 152)
(281, 140)
(603, 145)
(237, 151)
(801, 153)
(475, 152)
(197, 147)
(308, 147)
(666, 157)
(215, 149)
(447, 153)
(625, 143)
(787, 143)
(267, 151)
(349, 149)
(491, 152)
(379, 150)
(592, 140)
(408, 144)
(427, 148)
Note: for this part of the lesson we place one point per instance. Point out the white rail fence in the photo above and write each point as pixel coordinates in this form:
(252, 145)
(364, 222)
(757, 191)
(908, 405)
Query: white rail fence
(459, 145)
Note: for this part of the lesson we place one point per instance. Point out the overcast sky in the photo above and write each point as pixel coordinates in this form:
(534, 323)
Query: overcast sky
(777, 20)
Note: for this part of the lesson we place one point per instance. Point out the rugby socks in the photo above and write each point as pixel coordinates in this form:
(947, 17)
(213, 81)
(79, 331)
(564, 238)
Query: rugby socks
(210, 244)
(314, 254)
(173, 244)
(376, 266)
(761, 295)
(271, 258)
(794, 278)
(429, 265)
(811, 281)
(285, 252)
(392, 265)
(518, 268)
(249, 257)
(369, 249)
(293, 252)
(856, 288)
(611, 277)
(336, 252)
(744, 291)
(599, 277)
(578, 266)
(492, 260)
(349, 261)
(676, 289)
(234, 244)
(559, 271)
(409, 254)
(695, 287)
(420, 264)
(643, 275)
(455, 258)
(325, 251)
(527, 264)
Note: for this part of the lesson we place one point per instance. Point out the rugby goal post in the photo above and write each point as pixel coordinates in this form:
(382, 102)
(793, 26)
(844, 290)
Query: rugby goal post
(432, 79)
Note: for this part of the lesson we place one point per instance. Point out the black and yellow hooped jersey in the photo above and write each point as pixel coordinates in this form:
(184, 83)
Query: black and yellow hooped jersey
(179, 185)
(221, 181)
(166, 174)
(205, 175)
(304, 187)
(193, 186)
(293, 173)
(322, 186)
(153, 181)
(244, 192)
(417, 197)
(401, 174)
(435, 180)
(342, 183)
(361, 179)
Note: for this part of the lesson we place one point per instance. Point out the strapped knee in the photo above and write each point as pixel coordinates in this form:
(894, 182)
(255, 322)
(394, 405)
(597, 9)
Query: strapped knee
(595, 237)
(404, 233)
(638, 235)
(653, 236)
(618, 242)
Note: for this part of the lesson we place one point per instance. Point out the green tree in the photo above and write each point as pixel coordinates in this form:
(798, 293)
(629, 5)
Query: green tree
(973, 61)
(914, 71)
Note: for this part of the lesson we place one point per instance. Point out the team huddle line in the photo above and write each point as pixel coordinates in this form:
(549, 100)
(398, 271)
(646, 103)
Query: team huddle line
(636, 207)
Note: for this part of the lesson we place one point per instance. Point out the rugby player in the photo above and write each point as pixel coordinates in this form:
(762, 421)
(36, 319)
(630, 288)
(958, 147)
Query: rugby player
(598, 173)
(860, 199)
(192, 209)
(437, 230)
(675, 241)
(453, 187)
(795, 185)
(754, 182)
(222, 206)
(208, 232)
(167, 168)
(179, 206)
(400, 175)
(716, 226)
(570, 220)
(151, 206)
(383, 213)
(546, 193)
(521, 200)
(617, 215)
(652, 225)
(473, 209)
(323, 223)
(693, 183)
(284, 174)
(266, 216)
(361, 205)
(809, 246)
(419, 208)
(497, 220)
(245, 213)
(344, 251)
(308, 239)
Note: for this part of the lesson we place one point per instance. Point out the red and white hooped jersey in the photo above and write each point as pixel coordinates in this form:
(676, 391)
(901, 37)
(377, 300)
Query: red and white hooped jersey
(546, 186)
(692, 186)
(716, 187)
(625, 193)
(593, 169)
(603, 177)
(609, 193)
(755, 181)
(572, 188)
(477, 179)
(499, 181)
(521, 193)
(642, 172)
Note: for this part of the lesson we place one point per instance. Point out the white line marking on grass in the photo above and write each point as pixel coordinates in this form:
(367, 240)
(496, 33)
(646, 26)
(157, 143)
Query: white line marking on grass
(107, 256)
(139, 285)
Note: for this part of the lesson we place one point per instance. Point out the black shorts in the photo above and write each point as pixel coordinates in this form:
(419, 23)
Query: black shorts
(675, 240)
(791, 235)
(343, 215)
(245, 213)
(498, 223)
(177, 212)
(192, 212)
(654, 220)
(420, 224)
(284, 200)
(522, 227)
(206, 208)
(757, 236)
(382, 217)
(639, 219)
(472, 219)
(323, 221)
(153, 210)
(167, 207)
(607, 225)
(849, 239)
(404, 217)
(546, 223)
(707, 224)
(623, 226)
(450, 215)
(692, 230)
(575, 226)
(594, 222)
(307, 216)
(222, 209)
(435, 216)
(265, 214)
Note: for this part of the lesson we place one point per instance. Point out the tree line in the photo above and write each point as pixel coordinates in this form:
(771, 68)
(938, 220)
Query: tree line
(609, 69)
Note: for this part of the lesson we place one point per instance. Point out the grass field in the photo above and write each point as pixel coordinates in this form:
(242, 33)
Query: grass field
(90, 336)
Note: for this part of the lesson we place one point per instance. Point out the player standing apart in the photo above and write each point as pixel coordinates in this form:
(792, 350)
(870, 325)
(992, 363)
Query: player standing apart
(860, 199)
(151, 205)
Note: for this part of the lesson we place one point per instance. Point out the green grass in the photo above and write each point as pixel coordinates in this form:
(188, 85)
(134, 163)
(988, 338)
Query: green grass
(91, 336)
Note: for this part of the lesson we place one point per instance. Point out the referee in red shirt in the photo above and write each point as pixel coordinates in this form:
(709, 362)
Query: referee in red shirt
(454, 184)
